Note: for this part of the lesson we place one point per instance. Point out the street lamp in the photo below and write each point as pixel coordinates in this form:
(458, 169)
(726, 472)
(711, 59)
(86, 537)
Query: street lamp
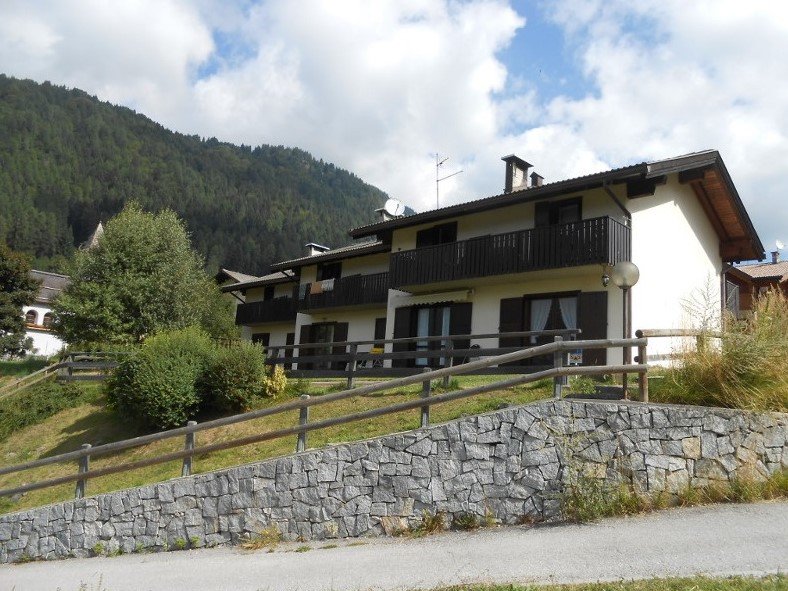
(625, 275)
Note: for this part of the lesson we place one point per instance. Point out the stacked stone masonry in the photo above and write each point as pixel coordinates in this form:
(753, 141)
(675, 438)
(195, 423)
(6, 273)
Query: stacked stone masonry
(513, 464)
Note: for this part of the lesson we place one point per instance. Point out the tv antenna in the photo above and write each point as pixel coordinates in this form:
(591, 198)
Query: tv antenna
(438, 179)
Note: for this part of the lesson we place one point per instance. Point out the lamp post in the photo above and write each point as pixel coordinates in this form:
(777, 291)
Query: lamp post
(625, 275)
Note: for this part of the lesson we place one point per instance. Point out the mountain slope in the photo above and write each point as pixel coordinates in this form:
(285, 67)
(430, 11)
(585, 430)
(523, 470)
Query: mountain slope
(68, 160)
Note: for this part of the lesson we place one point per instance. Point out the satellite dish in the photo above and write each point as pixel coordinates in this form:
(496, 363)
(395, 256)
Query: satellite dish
(779, 245)
(394, 208)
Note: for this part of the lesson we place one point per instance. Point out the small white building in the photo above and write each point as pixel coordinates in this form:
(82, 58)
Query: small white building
(38, 316)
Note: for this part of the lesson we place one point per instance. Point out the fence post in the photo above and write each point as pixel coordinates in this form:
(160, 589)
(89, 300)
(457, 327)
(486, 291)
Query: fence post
(426, 390)
(303, 419)
(449, 363)
(84, 466)
(186, 470)
(643, 379)
(352, 364)
(558, 363)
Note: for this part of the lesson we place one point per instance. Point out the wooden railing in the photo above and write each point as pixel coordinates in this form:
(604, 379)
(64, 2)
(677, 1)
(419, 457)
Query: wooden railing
(557, 350)
(355, 290)
(283, 309)
(353, 359)
(600, 240)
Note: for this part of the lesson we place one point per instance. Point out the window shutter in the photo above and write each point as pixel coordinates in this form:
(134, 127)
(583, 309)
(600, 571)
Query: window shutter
(340, 334)
(460, 323)
(306, 331)
(401, 331)
(511, 320)
(592, 320)
(289, 340)
(542, 214)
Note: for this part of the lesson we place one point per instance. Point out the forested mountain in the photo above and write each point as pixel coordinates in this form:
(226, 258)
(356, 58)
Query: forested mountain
(68, 160)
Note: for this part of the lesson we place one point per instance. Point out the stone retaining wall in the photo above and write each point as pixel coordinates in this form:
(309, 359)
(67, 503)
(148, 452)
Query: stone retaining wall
(511, 463)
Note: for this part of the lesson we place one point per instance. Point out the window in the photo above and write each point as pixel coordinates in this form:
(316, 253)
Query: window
(441, 234)
(47, 320)
(329, 271)
(31, 317)
(262, 338)
(268, 293)
(551, 213)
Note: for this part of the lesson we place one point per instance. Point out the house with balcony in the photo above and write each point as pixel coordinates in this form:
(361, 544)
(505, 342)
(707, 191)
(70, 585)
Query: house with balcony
(38, 315)
(536, 257)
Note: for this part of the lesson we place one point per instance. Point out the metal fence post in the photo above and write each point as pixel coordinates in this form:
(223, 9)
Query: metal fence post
(303, 419)
(352, 364)
(558, 363)
(186, 470)
(643, 379)
(84, 466)
(426, 390)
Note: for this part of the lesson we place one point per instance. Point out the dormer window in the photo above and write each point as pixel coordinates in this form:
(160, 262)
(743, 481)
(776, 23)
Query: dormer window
(551, 213)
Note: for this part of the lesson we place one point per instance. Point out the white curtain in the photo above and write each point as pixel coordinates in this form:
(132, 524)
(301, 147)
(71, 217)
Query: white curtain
(422, 330)
(540, 311)
(568, 311)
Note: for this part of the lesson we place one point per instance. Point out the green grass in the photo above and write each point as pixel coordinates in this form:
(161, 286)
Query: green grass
(92, 422)
(777, 582)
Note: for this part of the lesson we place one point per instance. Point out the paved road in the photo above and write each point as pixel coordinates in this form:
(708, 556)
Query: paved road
(717, 540)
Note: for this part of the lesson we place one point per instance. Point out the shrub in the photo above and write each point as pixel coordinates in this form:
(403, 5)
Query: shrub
(275, 381)
(235, 377)
(38, 402)
(157, 385)
(748, 370)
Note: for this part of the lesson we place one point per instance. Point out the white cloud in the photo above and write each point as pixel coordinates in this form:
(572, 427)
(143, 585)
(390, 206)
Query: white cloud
(378, 87)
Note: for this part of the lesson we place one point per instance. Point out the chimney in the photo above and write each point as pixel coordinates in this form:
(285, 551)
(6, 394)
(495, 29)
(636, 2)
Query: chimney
(536, 180)
(516, 173)
(775, 257)
(312, 249)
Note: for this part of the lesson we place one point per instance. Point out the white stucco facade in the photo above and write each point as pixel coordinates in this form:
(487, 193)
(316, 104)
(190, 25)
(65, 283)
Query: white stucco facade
(45, 342)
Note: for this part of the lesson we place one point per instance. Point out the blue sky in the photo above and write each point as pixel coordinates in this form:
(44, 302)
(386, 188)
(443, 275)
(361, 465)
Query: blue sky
(379, 86)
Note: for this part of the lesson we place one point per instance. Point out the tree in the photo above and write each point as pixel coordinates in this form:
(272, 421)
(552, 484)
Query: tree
(17, 289)
(141, 278)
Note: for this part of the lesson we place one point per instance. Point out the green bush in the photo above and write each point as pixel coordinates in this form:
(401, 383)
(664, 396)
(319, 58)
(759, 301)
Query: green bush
(37, 403)
(234, 378)
(158, 384)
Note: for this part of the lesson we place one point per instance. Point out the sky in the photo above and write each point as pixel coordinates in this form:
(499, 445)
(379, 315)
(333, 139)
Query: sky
(379, 87)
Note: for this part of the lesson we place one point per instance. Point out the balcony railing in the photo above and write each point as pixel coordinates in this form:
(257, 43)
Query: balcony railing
(355, 290)
(600, 240)
(279, 309)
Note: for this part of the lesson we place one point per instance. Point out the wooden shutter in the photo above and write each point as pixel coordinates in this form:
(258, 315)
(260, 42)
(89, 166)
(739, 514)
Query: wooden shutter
(340, 334)
(511, 319)
(380, 330)
(542, 214)
(401, 331)
(592, 320)
(460, 323)
(306, 332)
(289, 340)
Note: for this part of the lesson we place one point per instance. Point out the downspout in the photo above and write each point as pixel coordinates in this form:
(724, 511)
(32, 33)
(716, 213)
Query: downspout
(627, 215)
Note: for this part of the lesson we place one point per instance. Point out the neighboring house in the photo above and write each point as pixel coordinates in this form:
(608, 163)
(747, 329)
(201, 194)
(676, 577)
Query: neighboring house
(38, 316)
(746, 282)
(531, 258)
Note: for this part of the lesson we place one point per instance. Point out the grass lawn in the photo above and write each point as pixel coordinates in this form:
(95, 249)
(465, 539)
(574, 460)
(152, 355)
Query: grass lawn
(769, 583)
(96, 424)
(17, 368)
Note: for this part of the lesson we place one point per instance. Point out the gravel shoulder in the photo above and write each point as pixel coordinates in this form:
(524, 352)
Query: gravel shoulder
(713, 540)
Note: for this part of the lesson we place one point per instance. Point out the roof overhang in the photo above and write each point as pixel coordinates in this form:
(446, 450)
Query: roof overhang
(272, 279)
(338, 254)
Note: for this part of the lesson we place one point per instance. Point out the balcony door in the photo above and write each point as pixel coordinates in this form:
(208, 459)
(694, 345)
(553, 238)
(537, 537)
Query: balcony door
(437, 320)
(323, 334)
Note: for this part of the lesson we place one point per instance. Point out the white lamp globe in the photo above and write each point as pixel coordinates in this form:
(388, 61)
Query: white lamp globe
(625, 274)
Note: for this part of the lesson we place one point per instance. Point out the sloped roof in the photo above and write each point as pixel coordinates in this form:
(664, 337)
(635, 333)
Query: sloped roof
(235, 276)
(270, 279)
(704, 171)
(768, 271)
(94, 238)
(51, 284)
(335, 254)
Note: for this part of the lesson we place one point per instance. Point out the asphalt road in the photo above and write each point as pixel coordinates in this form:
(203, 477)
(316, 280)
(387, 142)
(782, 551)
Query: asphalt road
(714, 540)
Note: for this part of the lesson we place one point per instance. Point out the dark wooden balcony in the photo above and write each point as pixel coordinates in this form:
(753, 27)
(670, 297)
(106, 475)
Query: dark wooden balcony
(276, 310)
(600, 240)
(355, 290)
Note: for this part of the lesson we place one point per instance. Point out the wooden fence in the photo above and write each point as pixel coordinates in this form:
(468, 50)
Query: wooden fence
(352, 359)
(558, 350)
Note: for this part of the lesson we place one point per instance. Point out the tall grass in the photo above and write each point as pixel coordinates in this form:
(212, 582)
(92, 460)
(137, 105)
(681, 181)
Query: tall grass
(748, 370)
